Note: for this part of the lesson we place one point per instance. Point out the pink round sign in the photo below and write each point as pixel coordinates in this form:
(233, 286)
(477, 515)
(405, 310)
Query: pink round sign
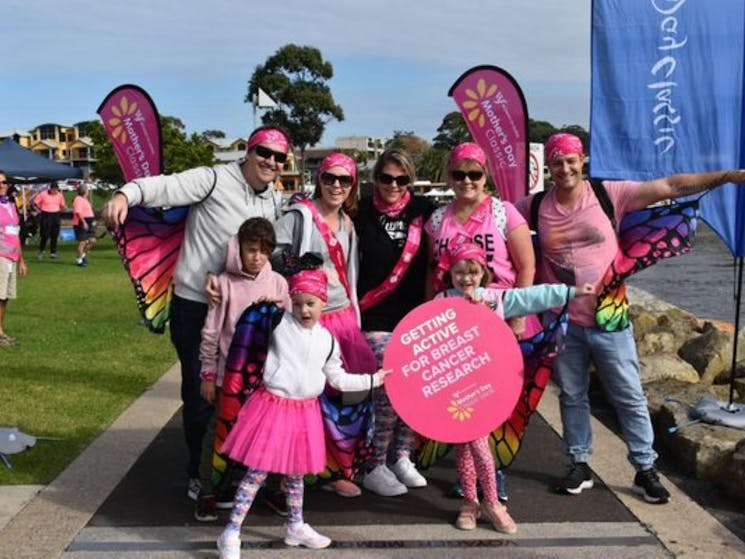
(457, 370)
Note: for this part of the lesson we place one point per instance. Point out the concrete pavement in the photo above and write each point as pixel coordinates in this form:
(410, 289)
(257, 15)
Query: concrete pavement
(112, 502)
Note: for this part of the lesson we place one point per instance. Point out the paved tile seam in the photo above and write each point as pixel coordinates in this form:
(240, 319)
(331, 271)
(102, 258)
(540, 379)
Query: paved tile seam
(683, 526)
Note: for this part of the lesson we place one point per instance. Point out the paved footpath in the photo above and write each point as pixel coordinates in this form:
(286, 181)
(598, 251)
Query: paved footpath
(117, 501)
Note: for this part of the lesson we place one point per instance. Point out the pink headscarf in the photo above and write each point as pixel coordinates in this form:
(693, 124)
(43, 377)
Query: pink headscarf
(467, 150)
(309, 281)
(339, 160)
(563, 144)
(268, 136)
(467, 251)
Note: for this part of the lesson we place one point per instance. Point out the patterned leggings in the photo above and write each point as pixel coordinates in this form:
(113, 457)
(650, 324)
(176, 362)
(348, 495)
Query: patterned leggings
(246, 492)
(388, 426)
(474, 461)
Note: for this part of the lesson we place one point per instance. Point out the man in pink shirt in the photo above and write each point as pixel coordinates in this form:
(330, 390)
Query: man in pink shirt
(578, 243)
(83, 224)
(50, 203)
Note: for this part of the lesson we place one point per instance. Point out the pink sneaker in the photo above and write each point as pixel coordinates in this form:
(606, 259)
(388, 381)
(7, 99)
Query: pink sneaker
(343, 488)
(499, 517)
(468, 515)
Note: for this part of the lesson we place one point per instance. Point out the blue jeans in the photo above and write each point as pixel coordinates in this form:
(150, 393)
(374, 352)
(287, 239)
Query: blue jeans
(187, 319)
(614, 354)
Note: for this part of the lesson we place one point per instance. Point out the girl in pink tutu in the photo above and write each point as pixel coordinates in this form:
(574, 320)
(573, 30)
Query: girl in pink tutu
(279, 428)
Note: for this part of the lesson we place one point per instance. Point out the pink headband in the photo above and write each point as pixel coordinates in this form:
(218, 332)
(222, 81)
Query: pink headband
(467, 150)
(339, 160)
(563, 144)
(268, 136)
(309, 281)
(467, 251)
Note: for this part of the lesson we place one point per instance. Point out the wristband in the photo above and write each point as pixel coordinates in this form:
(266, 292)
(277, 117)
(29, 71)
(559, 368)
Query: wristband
(207, 375)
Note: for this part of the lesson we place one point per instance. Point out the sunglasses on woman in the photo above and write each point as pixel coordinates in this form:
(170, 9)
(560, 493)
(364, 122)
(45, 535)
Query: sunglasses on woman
(266, 153)
(345, 181)
(472, 175)
(400, 180)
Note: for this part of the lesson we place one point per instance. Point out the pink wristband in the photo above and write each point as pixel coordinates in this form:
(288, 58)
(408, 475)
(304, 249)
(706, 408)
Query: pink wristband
(207, 375)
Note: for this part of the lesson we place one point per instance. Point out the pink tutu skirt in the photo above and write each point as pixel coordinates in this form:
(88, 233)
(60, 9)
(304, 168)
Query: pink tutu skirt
(278, 435)
(356, 354)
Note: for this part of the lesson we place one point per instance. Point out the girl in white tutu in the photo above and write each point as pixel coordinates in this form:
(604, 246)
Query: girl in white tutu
(279, 428)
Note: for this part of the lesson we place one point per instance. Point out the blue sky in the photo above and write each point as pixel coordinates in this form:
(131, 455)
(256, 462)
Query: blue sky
(394, 61)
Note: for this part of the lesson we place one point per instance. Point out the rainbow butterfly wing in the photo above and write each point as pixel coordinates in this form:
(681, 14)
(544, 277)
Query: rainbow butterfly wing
(645, 237)
(244, 368)
(348, 430)
(538, 355)
(149, 243)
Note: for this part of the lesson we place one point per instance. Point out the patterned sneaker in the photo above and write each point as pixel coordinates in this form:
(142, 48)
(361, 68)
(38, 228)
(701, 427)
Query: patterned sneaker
(499, 517)
(648, 485)
(578, 478)
(407, 473)
(192, 488)
(229, 545)
(383, 482)
(468, 515)
(306, 536)
(205, 511)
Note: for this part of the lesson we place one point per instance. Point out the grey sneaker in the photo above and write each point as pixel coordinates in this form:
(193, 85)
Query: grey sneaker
(407, 473)
(383, 482)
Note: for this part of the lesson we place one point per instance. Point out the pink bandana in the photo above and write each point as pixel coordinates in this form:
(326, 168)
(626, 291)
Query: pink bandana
(563, 144)
(391, 210)
(467, 150)
(467, 251)
(313, 282)
(268, 136)
(339, 160)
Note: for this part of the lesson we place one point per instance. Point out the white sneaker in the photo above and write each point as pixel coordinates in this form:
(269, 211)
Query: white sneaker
(229, 545)
(306, 536)
(407, 474)
(382, 481)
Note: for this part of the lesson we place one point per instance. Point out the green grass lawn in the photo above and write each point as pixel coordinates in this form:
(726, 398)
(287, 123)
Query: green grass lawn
(82, 357)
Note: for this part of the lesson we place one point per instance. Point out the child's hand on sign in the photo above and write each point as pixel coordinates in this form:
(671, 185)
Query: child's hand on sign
(382, 373)
(584, 290)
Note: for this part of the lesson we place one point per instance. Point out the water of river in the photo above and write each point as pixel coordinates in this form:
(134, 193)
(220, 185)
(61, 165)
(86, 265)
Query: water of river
(702, 281)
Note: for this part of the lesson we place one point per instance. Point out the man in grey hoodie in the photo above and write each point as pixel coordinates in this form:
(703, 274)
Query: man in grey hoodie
(220, 198)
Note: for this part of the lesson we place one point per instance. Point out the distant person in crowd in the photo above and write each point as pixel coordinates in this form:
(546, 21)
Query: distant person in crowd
(83, 224)
(248, 278)
(577, 244)
(12, 264)
(491, 223)
(323, 225)
(393, 270)
(469, 277)
(50, 204)
(220, 198)
(279, 428)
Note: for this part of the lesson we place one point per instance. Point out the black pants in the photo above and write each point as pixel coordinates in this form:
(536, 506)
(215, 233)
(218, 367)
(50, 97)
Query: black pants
(49, 229)
(187, 319)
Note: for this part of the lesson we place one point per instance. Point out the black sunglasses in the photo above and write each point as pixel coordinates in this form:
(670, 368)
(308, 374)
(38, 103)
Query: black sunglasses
(400, 180)
(329, 179)
(461, 175)
(266, 153)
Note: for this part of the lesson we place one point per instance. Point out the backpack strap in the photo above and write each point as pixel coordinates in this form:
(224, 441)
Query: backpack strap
(500, 216)
(212, 188)
(605, 202)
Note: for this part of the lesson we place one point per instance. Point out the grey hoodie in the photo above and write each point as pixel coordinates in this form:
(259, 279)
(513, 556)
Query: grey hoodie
(215, 214)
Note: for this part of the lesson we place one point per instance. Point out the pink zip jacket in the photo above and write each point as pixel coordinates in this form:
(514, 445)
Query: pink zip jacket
(237, 291)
